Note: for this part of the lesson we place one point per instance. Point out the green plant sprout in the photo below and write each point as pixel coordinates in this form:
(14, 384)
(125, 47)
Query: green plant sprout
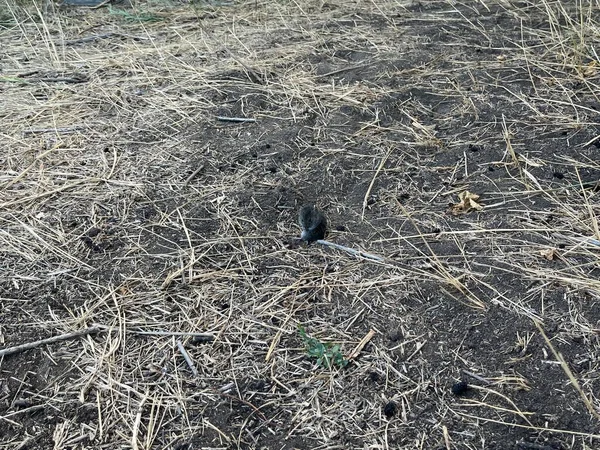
(327, 355)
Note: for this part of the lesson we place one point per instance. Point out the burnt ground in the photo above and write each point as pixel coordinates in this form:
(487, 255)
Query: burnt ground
(126, 203)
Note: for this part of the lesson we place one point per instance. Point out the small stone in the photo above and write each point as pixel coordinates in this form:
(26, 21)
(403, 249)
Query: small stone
(460, 388)
(390, 409)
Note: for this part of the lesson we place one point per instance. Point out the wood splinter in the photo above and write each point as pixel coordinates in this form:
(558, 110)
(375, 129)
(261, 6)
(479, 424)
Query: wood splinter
(359, 347)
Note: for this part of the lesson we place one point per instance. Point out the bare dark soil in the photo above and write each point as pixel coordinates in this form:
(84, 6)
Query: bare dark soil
(157, 217)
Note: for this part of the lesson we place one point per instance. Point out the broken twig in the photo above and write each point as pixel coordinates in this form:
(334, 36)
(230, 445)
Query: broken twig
(235, 119)
(191, 177)
(364, 341)
(477, 377)
(359, 253)
(51, 340)
(187, 358)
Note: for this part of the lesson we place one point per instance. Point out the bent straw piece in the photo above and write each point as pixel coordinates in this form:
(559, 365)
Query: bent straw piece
(559, 357)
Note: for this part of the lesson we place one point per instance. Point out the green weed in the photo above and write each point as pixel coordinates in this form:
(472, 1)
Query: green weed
(327, 355)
